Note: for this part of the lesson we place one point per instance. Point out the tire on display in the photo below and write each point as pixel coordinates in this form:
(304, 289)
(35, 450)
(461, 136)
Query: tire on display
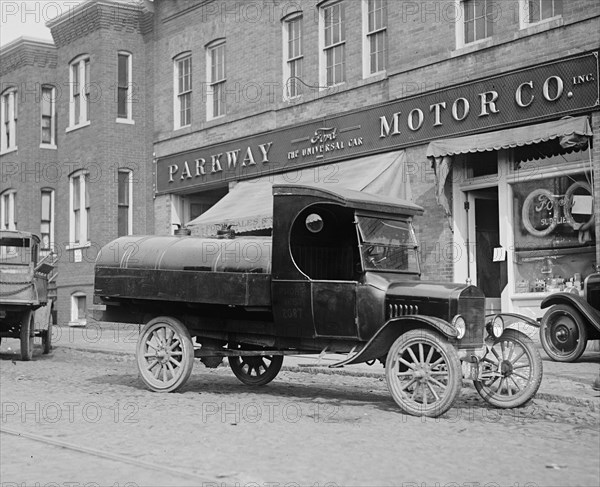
(513, 369)
(27, 335)
(256, 370)
(423, 373)
(563, 333)
(165, 354)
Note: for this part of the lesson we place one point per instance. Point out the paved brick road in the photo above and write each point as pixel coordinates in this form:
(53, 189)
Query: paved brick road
(302, 429)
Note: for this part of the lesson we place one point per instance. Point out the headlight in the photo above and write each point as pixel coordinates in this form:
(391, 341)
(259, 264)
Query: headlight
(461, 326)
(497, 326)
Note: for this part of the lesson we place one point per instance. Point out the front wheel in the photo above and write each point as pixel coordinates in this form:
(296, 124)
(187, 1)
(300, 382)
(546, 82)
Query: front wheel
(512, 371)
(423, 373)
(165, 354)
(27, 335)
(255, 370)
(563, 333)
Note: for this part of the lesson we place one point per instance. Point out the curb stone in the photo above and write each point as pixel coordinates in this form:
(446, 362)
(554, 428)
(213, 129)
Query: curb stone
(591, 404)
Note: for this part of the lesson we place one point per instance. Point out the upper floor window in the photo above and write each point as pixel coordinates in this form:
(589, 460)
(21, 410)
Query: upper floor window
(183, 91)
(216, 79)
(48, 122)
(333, 54)
(534, 11)
(375, 27)
(8, 122)
(8, 219)
(125, 207)
(292, 35)
(124, 86)
(476, 22)
(80, 208)
(47, 219)
(79, 109)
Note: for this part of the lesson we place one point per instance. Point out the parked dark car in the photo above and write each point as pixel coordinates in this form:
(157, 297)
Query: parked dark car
(25, 309)
(571, 321)
(339, 275)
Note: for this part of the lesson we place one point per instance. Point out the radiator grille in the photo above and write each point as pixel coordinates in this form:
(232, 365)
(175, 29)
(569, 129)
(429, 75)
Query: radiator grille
(473, 311)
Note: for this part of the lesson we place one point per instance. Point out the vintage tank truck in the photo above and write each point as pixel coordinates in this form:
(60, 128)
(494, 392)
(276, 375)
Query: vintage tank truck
(340, 274)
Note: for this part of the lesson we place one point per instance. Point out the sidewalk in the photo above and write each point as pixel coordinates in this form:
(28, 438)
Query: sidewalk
(569, 383)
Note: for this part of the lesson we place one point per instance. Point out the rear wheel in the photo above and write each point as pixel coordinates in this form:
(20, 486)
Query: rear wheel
(563, 333)
(512, 371)
(47, 335)
(27, 335)
(423, 373)
(256, 370)
(165, 354)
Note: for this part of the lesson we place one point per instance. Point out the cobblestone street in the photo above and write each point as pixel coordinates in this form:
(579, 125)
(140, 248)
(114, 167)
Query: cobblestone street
(302, 429)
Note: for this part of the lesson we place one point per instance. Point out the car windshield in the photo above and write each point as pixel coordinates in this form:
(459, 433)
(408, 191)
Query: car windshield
(15, 251)
(388, 245)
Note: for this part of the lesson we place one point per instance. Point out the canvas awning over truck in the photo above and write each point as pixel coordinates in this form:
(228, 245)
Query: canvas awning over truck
(249, 205)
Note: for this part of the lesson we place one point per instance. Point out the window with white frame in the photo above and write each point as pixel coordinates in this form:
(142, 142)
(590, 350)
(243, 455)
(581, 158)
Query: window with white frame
(8, 220)
(183, 91)
(333, 37)
(125, 207)
(124, 86)
(476, 21)
(535, 11)
(375, 28)
(79, 84)
(8, 115)
(78, 308)
(48, 122)
(79, 208)
(292, 36)
(215, 100)
(47, 219)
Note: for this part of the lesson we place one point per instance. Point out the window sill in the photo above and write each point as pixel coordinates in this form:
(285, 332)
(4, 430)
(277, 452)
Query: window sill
(8, 151)
(372, 77)
(48, 146)
(76, 127)
(75, 246)
(332, 87)
(77, 323)
(127, 121)
(472, 47)
(183, 127)
(542, 25)
(210, 119)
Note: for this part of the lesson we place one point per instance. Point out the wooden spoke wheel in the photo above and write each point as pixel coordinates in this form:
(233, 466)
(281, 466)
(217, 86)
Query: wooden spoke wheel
(512, 371)
(423, 373)
(47, 336)
(256, 370)
(563, 333)
(165, 354)
(27, 335)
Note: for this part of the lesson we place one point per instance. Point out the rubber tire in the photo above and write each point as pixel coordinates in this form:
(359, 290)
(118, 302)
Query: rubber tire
(561, 310)
(187, 358)
(27, 335)
(236, 365)
(454, 370)
(47, 336)
(535, 381)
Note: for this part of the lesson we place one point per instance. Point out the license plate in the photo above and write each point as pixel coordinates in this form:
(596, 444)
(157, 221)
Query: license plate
(470, 370)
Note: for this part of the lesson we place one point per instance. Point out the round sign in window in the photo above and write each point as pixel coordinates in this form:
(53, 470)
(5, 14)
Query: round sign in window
(314, 223)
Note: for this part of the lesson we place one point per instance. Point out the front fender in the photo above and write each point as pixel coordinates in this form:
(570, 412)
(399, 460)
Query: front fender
(591, 315)
(380, 343)
(510, 319)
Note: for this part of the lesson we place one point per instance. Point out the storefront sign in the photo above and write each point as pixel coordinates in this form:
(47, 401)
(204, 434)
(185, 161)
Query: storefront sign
(530, 95)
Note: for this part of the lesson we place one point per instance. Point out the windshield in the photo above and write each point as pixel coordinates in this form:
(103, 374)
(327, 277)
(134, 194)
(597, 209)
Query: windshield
(15, 251)
(388, 245)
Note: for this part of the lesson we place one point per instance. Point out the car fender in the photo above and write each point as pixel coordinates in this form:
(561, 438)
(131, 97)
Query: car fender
(591, 315)
(380, 343)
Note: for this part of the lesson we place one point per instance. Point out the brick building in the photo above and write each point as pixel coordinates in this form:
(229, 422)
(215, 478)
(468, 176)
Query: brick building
(485, 113)
(463, 100)
(77, 139)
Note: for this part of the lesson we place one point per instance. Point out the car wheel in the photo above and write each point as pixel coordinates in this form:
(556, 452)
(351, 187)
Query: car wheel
(165, 354)
(563, 333)
(47, 335)
(512, 371)
(423, 373)
(255, 370)
(27, 335)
